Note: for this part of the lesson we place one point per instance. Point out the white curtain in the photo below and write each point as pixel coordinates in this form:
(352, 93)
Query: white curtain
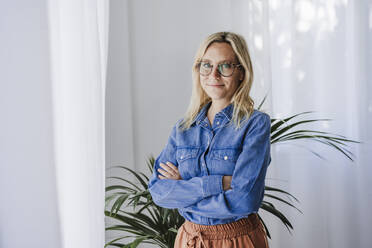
(309, 56)
(316, 56)
(78, 42)
(52, 129)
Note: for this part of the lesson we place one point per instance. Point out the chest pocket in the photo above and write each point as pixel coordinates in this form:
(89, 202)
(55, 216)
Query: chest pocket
(223, 160)
(187, 162)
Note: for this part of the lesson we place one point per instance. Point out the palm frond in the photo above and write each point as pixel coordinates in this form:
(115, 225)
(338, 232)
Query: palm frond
(262, 102)
(271, 209)
(280, 130)
(139, 178)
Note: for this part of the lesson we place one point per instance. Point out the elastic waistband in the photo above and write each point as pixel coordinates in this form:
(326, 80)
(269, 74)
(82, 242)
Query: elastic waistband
(222, 231)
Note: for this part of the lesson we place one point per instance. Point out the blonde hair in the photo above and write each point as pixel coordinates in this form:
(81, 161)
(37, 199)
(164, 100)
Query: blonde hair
(243, 103)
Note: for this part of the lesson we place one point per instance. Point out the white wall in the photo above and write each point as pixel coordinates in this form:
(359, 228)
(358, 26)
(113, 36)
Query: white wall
(28, 209)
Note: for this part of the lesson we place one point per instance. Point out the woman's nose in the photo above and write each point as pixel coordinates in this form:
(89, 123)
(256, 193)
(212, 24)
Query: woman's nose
(215, 73)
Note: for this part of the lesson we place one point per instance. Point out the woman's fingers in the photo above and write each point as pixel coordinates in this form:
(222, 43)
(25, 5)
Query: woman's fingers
(161, 177)
(165, 173)
(169, 171)
(170, 168)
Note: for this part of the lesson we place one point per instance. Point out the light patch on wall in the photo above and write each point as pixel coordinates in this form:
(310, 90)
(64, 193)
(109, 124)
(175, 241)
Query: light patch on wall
(273, 4)
(271, 25)
(321, 15)
(327, 17)
(287, 62)
(300, 75)
(306, 13)
(370, 107)
(283, 37)
(258, 4)
(258, 42)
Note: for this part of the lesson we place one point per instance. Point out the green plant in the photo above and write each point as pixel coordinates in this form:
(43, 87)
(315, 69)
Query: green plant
(159, 226)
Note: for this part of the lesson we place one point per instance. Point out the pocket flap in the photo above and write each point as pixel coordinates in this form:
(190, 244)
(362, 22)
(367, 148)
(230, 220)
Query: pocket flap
(186, 153)
(226, 154)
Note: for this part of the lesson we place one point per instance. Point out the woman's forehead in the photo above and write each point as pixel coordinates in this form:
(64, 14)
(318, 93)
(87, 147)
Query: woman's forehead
(219, 52)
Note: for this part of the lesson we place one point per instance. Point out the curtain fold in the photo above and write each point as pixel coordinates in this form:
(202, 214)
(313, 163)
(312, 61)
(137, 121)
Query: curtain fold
(78, 47)
(315, 56)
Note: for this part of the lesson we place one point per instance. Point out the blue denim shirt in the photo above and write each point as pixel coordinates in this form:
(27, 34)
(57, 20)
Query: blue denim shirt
(203, 154)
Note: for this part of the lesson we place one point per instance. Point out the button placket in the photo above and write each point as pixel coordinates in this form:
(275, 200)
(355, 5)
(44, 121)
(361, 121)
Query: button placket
(203, 161)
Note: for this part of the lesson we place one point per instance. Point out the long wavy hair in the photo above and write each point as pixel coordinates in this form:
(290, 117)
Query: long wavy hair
(243, 103)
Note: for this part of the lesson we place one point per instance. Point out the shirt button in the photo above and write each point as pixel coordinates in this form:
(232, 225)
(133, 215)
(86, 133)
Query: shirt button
(225, 157)
(181, 157)
(218, 123)
(206, 124)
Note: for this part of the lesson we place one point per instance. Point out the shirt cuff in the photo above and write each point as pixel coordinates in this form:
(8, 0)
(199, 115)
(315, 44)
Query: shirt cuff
(212, 185)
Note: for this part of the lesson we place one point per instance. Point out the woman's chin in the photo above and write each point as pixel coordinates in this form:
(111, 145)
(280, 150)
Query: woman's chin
(216, 97)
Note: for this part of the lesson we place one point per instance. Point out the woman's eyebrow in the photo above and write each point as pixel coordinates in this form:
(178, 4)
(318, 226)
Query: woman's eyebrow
(222, 61)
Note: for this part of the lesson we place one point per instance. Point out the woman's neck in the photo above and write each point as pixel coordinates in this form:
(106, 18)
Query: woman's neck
(217, 106)
(214, 108)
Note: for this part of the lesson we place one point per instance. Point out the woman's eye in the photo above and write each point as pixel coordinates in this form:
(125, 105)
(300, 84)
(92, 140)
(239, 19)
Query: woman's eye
(226, 66)
(206, 65)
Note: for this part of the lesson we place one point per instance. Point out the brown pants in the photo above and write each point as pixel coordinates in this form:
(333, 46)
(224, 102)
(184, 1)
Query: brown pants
(244, 233)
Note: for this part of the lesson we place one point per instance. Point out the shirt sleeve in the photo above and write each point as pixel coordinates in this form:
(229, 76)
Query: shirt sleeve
(248, 179)
(170, 193)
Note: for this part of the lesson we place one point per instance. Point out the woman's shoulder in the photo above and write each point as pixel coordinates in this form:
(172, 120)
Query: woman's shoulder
(178, 122)
(176, 126)
(261, 113)
(258, 115)
(260, 119)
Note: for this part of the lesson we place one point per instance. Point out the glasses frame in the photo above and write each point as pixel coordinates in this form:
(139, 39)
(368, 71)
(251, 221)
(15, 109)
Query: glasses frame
(219, 70)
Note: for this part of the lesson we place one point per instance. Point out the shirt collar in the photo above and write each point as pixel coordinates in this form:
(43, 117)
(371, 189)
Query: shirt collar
(227, 112)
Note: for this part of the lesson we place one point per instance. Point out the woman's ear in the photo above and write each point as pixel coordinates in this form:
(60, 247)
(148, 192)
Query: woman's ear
(241, 78)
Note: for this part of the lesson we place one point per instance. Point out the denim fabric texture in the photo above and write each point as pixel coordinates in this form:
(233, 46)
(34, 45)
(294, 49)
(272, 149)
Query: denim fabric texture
(203, 154)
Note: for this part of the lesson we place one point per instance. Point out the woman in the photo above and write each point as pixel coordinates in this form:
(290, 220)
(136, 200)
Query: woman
(214, 164)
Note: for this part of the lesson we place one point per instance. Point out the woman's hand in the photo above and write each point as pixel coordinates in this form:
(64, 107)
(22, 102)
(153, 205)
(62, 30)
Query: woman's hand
(226, 182)
(169, 171)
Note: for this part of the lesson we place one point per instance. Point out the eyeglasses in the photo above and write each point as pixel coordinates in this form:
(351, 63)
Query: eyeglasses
(225, 69)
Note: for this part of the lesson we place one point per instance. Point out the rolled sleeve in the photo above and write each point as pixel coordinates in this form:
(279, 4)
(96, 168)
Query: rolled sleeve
(212, 185)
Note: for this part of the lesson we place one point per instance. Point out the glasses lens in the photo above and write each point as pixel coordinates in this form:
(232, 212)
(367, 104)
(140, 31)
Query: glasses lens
(226, 69)
(205, 68)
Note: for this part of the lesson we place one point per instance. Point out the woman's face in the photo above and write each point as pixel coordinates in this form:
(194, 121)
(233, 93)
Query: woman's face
(216, 86)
